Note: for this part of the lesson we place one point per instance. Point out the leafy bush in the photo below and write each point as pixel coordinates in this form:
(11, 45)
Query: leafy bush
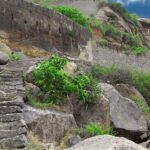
(73, 13)
(139, 50)
(52, 80)
(93, 129)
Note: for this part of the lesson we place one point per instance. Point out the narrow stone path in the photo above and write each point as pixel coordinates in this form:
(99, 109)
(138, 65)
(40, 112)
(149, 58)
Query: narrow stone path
(12, 126)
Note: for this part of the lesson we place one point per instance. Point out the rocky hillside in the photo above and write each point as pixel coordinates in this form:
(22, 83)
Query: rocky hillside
(71, 79)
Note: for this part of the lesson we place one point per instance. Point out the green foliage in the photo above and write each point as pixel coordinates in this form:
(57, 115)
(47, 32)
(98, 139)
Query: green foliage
(52, 80)
(73, 13)
(93, 129)
(139, 50)
(39, 104)
(114, 74)
(86, 88)
(117, 7)
(141, 80)
(103, 43)
(141, 104)
(98, 72)
(15, 56)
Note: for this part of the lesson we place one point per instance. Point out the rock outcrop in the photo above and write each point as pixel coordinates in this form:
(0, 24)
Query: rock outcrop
(107, 142)
(98, 112)
(3, 58)
(124, 114)
(49, 126)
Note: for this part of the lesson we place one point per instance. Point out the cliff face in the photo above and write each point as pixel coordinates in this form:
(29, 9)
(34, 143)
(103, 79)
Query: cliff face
(45, 28)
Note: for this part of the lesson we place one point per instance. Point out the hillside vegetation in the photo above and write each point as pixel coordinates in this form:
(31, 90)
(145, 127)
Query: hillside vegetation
(109, 33)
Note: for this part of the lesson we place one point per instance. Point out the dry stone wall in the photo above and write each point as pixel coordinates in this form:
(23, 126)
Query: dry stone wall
(48, 28)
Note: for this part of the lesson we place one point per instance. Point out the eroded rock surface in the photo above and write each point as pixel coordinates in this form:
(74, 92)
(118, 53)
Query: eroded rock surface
(107, 142)
(48, 125)
(125, 115)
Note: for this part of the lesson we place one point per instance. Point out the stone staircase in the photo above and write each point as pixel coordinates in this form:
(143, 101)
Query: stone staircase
(12, 126)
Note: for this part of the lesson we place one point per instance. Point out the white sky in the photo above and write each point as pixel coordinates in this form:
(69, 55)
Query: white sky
(131, 1)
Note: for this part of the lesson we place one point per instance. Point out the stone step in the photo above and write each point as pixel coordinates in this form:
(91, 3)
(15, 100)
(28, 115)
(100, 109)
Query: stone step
(14, 143)
(12, 125)
(10, 109)
(16, 102)
(10, 117)
(12, 133)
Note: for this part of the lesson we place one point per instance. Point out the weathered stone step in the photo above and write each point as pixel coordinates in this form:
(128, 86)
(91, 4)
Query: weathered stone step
(10, 117)
(12, 125)
(16, 102)
(10, 109)
(12, 133)
(14, 143)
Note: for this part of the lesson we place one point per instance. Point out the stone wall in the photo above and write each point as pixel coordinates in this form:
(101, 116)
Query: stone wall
(47, 28)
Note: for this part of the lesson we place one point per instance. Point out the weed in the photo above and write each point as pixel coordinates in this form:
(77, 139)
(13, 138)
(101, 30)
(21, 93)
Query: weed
(15, 56)
(93, 129)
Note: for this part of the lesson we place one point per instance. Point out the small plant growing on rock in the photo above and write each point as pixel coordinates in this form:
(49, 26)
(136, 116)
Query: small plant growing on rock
(93, 129)
(15, 56)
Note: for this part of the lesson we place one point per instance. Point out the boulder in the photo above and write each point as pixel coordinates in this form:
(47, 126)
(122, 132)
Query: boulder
(73, 140)
(28, 74)
(127, 91)
(106, 142)
(49, 126)
(98, 112)
(125, 116)
(5, 49)
(70, 68)
(33, 90)
(4, 58)
(146, 144)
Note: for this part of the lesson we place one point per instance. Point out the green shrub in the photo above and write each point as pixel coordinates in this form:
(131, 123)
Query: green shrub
(93, 129)
(15, 56)
(117, 7)
(141, 104)
(138, 50)
(114, 74)
(52, 80)
(141, 80)
(73, 13)
(132, 39)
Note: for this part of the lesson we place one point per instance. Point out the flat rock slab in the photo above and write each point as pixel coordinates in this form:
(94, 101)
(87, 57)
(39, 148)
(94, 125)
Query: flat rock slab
(107, 142)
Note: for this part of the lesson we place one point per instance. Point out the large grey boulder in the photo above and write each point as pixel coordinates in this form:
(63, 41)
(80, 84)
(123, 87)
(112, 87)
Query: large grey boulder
(49, 126)
(126, 117)
(98, 112)
(5, 49)
(4, 58)
(106, 142)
